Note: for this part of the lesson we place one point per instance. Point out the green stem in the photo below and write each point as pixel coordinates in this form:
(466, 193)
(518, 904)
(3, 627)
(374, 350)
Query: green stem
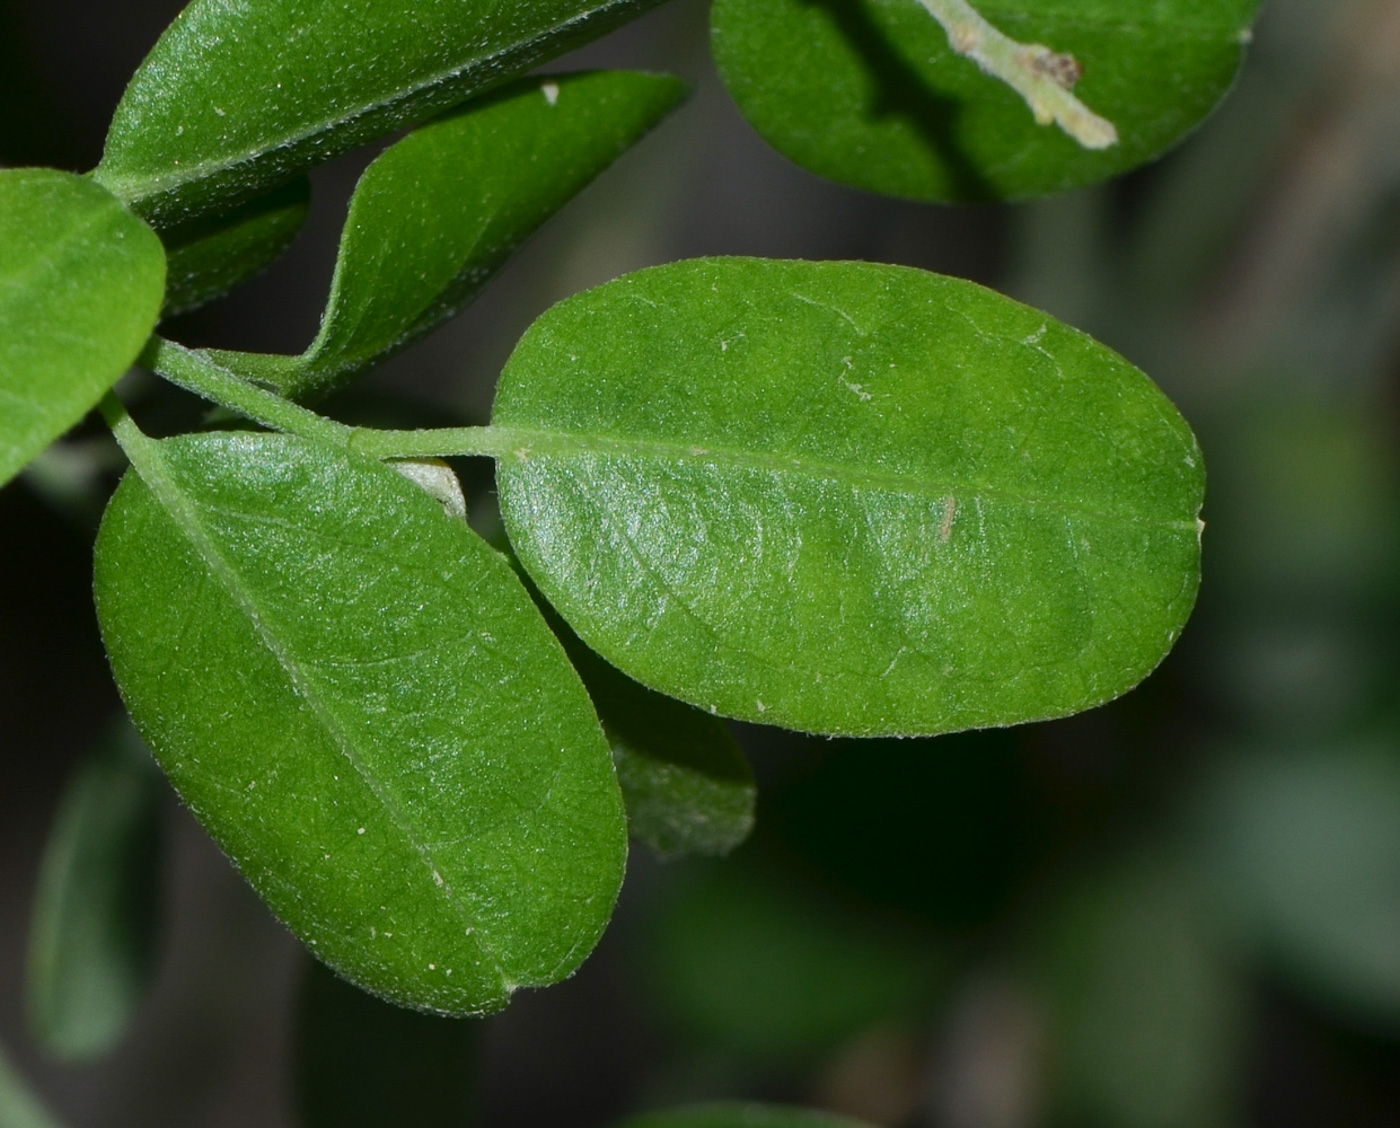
(197, 373)
(1044, 78)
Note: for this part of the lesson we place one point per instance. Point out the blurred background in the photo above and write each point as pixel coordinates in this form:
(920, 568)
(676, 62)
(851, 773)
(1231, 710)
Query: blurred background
(1181, 909)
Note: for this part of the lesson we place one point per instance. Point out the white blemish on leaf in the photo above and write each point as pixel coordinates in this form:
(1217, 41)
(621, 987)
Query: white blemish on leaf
(551, 92)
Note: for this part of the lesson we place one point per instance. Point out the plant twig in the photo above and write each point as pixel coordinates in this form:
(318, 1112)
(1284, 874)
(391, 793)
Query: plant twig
(197, 373)
(1044, 78)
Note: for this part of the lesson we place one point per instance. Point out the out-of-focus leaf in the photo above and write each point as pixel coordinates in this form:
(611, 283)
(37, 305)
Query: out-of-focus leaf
(209, 257)
(735, 1115)
(437, 214)
(235, 98)
(20, 1108)
(81, 280)
(868, 92)
(1306, 549)
(363, 1063)
(847, 498)
(92, 939)
(1304, 848)
(1147, 1020)
(760, 966)
(356, 696)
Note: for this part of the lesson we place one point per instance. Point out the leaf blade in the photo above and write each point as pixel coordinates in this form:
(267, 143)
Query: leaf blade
(871, 94)
(236, 98)
(848, 498)
(92, 936)
(436, 844)
(688, 788)
(210, 257)
(437, 214)
(80, 289)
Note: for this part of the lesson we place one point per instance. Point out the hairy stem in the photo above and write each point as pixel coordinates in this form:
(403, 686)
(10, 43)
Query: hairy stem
(197, 373)
(1044, 78)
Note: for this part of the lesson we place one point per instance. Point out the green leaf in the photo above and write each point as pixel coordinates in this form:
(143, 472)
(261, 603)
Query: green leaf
(81, 280)
(686, 783)
(848, 498)
(735, 1115)
(1303, 849)
(19, 1107)
(437, 214)
(209, 257)
(761, 966)
(92, 939)
(235, 98)
(357, 698)
(869, 93)
(361, 1063)
(1147, 1021)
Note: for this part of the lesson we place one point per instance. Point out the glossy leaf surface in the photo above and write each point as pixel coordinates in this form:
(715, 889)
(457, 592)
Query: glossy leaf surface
(363, 1063)
(236, 97)
(209, 257)
(737, 1115)
(437, 214)
(357, 698)
(92, 939)
(848, 498)
(80, 289)
(868, 92)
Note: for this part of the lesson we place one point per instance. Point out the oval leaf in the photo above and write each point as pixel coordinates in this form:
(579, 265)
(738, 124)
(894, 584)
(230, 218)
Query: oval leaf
(848, 498)
(869, 92)
(209, 257)
(437, 214)
(81, 280)
(92, 939)
(736, 1115)
(237, 97)
(356, 696)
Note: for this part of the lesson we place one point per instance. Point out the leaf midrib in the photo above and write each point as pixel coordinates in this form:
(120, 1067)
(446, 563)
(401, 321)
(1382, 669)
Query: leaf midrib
(153, 469)
(151, 186)
(524, 443)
